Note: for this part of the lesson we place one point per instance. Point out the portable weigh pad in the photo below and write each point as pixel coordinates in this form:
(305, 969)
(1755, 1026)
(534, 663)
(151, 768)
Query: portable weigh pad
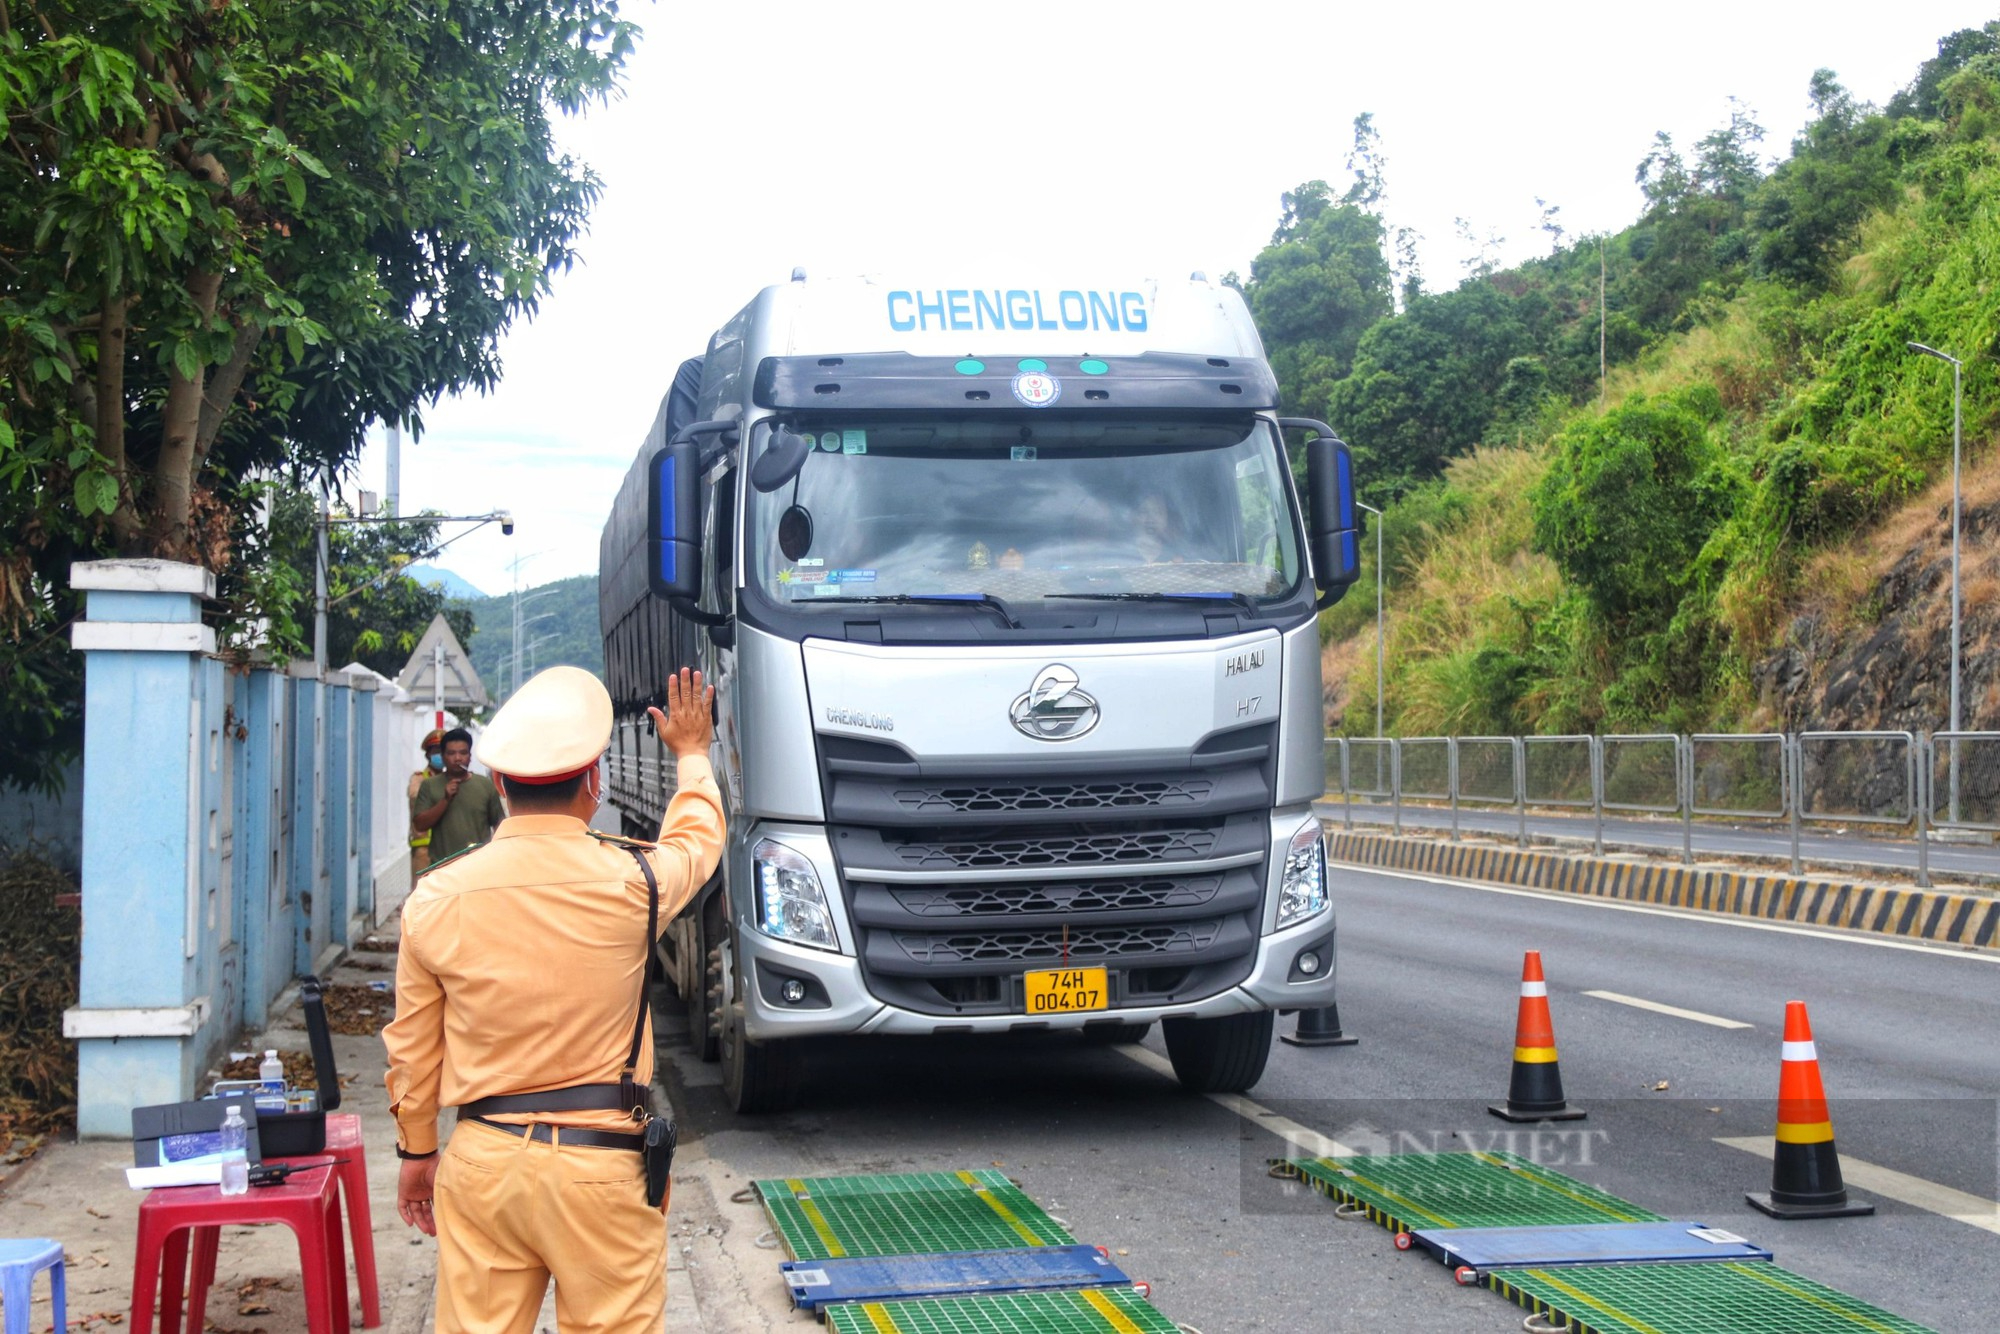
(913, 1213)
(1093, 1311)
(1727, 1298)
(816, 1283)
(1584, 1244)
(1405, 1192)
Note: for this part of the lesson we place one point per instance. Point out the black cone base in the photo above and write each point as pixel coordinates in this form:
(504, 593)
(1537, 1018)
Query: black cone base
(1535, 1093)
(1806, 1183)
(1319, 1028)
(1508, 1112)
(1845, 1209)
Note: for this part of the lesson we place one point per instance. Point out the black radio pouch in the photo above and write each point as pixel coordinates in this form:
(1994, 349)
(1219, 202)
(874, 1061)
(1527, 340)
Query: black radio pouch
(658, 1155)
(657, 1144)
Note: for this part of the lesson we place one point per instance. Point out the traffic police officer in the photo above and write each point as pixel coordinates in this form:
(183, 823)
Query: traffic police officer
(520, 973)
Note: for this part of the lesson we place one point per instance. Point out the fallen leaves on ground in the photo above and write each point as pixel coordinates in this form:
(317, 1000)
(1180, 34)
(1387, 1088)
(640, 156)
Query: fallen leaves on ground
(358, 1011)
(299, 1071)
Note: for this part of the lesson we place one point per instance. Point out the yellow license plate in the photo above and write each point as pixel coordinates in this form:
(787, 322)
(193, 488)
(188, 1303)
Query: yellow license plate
(1068, 990)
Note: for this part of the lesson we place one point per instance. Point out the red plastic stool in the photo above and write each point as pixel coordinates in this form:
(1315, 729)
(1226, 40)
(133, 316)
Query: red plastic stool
(343, 1142)
(308, 1203)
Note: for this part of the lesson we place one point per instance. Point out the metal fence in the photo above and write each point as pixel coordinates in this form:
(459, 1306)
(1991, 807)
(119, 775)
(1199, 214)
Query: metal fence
(1921, 783)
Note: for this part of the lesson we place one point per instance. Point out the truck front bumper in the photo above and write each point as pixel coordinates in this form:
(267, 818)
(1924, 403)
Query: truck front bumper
(837, 1000)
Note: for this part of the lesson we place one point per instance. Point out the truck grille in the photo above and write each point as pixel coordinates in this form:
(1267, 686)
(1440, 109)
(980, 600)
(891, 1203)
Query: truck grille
(1153, 845)
(1149, 894)
(951, 916)
(1084, 945)
(986, 799)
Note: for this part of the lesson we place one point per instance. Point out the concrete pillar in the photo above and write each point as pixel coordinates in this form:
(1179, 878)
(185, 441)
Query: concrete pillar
(261, 700)
(144, 1022)
(339, 807)
(365, 788)
(308, 862)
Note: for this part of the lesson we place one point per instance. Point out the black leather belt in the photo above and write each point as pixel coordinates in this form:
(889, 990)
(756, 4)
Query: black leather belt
(590, 1139)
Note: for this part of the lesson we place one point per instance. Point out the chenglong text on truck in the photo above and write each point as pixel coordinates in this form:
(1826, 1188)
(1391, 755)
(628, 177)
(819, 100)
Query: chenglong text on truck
(1009, 605)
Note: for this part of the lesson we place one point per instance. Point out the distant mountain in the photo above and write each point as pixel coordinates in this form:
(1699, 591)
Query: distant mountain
(559, 628)
(454, 587)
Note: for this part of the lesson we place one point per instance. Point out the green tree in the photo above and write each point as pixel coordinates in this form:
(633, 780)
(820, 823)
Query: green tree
(1425, 384)
(233, 233)
(1628, 503)
(1809, 212)
(1316, 289)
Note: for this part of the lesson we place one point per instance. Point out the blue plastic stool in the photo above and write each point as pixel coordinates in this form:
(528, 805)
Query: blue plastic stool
(20, 1261)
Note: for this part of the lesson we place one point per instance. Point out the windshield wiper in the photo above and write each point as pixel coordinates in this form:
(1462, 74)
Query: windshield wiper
(944, 599)
(1242, 600)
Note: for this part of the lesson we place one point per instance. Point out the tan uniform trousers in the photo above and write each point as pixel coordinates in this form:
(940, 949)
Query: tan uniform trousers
(513, 1212)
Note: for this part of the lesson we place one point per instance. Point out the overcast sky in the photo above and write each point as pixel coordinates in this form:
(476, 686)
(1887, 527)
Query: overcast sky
(1130, 139)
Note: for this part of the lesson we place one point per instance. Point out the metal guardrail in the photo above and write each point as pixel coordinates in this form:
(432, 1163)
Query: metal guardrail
(1928, 783)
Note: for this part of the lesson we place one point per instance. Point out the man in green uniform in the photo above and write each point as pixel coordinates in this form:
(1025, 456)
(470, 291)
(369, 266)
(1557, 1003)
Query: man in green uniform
(459, 808)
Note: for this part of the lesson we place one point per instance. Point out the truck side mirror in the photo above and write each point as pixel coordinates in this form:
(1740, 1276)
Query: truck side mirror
(673, 521)
(785, 452)
(1332, 533)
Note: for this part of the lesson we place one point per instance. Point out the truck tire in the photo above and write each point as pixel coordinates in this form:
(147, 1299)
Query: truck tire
(704, 1005)
(1225, 1055)
(757, 1077)
(1116, 1035)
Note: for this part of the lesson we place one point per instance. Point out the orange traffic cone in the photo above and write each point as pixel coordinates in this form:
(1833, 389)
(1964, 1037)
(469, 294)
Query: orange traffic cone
(1535, 1093)
(1805, 1170)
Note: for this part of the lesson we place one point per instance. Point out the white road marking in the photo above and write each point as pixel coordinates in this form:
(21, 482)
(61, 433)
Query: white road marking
(1685, 914)
(1310, 1143)
(1926, 1195)
(1676, 1011)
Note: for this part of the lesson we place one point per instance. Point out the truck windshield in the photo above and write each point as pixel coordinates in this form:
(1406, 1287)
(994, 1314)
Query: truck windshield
(1022, 512)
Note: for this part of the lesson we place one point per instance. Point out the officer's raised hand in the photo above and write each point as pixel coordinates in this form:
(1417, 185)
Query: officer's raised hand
(688, 724)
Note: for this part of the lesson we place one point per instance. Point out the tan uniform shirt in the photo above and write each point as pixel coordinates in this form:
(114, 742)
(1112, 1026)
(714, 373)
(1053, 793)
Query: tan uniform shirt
(521, 962)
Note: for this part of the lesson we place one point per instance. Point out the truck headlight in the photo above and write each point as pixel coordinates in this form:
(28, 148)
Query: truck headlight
(790, 903)
(1303, 891)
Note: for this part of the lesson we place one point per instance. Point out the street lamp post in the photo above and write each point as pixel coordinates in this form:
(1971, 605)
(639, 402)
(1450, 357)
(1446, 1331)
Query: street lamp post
(324, 521)
(1957, 385)
(1378, 615)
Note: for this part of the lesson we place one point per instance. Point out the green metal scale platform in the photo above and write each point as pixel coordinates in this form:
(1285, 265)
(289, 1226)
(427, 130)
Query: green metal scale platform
(1405, 1192)
(1097, 1311)
(1700, 1298)
(913, 1213)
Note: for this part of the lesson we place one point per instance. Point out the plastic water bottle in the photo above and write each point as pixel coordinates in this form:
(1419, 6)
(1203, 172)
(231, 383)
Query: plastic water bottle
(235, 1154)
(271, 1071)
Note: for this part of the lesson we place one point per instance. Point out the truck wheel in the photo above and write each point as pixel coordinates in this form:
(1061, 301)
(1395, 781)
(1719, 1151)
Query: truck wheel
(1225, 1055)
(1116, 1035)
(704, 1006)
(757, 1077)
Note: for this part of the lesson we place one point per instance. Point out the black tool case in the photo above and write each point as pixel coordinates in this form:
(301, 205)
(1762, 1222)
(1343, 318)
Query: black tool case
(296, 1134)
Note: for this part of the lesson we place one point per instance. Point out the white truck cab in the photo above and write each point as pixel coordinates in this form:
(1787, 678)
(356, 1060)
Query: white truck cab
(1009, 602)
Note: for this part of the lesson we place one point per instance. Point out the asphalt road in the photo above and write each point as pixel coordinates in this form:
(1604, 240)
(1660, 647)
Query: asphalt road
(1176, 1184)
(1770, 843)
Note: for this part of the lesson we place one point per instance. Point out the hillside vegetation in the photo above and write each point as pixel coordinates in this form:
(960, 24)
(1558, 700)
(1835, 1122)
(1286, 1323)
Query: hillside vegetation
(568, 637)
(1757, 509)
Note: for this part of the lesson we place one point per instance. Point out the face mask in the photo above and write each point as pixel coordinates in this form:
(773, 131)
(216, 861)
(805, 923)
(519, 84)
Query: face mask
(437, 762)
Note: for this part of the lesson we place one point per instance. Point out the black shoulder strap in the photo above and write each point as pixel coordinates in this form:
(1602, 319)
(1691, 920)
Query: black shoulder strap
(628, 1078)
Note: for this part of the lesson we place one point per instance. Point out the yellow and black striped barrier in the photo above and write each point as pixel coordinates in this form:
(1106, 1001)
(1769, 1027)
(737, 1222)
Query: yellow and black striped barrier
(1919, 914)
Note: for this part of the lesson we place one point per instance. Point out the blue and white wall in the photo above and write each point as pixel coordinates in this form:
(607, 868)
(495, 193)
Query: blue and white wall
(234, 834)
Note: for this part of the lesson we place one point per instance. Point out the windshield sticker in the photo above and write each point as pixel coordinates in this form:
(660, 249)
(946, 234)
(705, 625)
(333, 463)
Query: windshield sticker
(850, 576)
(802, 576)
(812, 562)
(829, 441)
(854, 442)
(1250, 467)
(1022, 453)
(1036, 389)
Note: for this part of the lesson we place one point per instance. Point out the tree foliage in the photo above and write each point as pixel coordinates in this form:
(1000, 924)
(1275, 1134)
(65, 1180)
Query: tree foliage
(1628, 503)
(234, 232)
